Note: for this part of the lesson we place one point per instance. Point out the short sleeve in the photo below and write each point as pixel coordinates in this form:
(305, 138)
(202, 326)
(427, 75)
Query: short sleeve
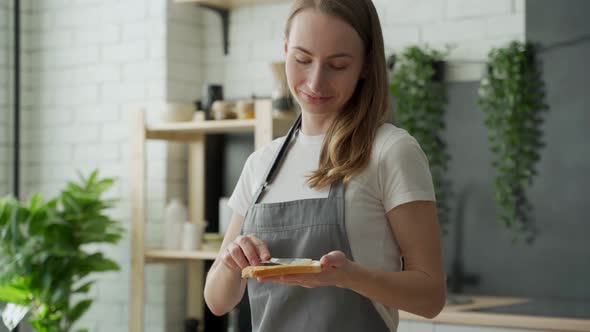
(254, 170)
(241, 198)
(404, 173)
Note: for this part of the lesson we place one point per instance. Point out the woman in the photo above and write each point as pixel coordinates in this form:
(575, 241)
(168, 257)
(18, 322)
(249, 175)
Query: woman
(342, 187)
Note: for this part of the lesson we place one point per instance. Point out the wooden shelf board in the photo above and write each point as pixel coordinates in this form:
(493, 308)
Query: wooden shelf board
(230, 4)
(185, 130)
(162, 255)
(190, 130)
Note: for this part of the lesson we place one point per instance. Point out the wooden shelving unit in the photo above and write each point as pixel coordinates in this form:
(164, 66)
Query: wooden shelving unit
(194, 133)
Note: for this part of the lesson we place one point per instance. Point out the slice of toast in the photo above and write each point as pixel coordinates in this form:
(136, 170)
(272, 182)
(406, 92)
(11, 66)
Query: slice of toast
(278, 270)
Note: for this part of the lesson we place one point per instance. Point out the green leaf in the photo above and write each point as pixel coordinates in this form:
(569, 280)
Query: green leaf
(70, 203)
(14, 294)
(59, 294)
(14, 227)
(95, 263)
(92, 178)
(78, 310)
(102, 185)
(35, 202)
(85, 287)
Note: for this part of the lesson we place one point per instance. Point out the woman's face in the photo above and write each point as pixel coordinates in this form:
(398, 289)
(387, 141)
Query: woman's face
(324, 61)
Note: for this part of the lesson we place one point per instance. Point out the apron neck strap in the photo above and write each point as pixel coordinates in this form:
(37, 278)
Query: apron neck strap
(276, 162)
(336, 190)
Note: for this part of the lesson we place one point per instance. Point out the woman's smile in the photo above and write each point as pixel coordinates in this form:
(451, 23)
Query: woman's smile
(315, 99)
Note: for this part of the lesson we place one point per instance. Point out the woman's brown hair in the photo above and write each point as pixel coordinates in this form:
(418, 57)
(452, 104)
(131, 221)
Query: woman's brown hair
(349, 140)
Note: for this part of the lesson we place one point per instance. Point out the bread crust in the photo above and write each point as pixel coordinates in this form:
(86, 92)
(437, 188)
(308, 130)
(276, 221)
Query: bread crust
(278, 270)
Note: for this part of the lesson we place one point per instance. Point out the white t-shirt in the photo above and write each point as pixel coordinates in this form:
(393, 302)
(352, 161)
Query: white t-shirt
(397, 173)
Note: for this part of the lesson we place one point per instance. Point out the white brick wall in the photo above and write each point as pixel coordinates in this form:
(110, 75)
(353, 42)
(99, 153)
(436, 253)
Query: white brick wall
(459, 9)
(6, 82)
(87, 64)
(183, 50)
(256, 32)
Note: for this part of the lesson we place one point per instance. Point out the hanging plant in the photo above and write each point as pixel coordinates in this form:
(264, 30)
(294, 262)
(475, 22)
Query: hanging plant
(420, 96)
(512, 96)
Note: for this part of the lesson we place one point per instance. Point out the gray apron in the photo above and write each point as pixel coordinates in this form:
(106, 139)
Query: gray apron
(308, 228)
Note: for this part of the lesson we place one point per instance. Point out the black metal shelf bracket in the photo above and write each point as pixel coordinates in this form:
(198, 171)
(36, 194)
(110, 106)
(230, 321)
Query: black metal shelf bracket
(224, 14)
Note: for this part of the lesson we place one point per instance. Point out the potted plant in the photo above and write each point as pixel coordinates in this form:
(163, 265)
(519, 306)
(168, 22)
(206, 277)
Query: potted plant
(512, 97)
(420, 96)
(45, 257)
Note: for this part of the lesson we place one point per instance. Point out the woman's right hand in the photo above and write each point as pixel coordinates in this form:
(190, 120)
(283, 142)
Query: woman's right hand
(224, 286)
(244, 251)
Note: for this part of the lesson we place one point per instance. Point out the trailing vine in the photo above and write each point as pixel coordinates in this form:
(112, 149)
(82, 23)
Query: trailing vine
(421, 97)
(512, 96)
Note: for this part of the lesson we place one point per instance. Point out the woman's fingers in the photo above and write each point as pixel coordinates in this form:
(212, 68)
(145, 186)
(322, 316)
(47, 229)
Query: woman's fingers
(228, 260)
(249, 248)
(245, 251)
(238, 255)
(261, 248)
(333, 259)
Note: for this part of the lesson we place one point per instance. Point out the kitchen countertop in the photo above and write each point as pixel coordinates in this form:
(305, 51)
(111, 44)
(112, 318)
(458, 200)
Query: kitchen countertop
(474, 313)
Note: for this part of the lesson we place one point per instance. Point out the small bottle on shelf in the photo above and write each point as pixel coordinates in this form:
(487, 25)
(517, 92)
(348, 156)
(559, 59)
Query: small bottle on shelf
(176, 216)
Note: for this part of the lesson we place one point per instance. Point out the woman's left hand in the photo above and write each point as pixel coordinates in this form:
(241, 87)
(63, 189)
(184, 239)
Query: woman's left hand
(336, 271)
